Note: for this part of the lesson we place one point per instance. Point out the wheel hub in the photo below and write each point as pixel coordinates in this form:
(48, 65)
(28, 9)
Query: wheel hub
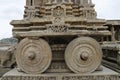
(31, 55)
(84, 56)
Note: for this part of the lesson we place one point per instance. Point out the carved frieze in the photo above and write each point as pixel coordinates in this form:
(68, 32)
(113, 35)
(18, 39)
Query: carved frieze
(61, 77)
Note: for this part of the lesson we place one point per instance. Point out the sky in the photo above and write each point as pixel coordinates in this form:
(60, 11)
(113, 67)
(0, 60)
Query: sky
(14, 10)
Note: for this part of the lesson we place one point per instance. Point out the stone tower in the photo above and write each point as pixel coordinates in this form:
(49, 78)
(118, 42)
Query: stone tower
(79, 8)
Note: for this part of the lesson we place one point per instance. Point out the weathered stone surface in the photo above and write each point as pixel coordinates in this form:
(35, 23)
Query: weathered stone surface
(106, 74)
(59, 19)
(83, 55)
(61, 36)
(111, 55)
(55, 23)
(3, 71)
(32, 57)
(7, 58)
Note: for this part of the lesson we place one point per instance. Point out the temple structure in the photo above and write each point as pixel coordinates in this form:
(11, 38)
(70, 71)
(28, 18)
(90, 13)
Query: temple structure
(62, 37)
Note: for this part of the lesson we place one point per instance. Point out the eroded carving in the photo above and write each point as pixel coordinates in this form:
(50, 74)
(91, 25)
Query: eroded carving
(57, 28)
(7, 58)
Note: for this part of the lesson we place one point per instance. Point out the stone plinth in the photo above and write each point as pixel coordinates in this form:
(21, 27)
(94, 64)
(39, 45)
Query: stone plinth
(3, 71)
(106, 74)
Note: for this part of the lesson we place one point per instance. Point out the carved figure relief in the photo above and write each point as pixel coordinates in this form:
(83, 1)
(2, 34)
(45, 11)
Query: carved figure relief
(58, 14)
(7, 58)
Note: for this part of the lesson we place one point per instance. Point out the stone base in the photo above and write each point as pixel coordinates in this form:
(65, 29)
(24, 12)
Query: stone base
(3, 71)
(106, 74)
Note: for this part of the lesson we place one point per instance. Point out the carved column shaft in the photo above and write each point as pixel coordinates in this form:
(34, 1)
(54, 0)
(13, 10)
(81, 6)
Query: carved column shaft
(113, 33)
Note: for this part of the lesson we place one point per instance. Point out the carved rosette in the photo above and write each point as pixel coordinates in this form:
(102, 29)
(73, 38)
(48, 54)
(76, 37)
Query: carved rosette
(33, 56)
(83, 55)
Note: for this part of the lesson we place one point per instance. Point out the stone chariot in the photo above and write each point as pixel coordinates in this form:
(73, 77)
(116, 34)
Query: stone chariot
(59, 36)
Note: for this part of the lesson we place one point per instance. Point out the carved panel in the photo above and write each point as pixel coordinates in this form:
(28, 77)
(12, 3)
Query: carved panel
(57, 28)
(63, 77)
(31, 12)
(58, 14)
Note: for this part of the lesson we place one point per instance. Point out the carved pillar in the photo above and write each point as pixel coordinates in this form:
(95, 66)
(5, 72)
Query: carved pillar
(113, 33)
(118, 57)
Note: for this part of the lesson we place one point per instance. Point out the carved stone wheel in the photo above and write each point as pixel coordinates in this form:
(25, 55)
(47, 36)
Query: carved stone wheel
(83, 55)
(33, 56)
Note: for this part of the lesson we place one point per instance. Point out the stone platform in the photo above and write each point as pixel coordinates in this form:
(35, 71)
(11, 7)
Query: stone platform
(106, 74)
(3, 71)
